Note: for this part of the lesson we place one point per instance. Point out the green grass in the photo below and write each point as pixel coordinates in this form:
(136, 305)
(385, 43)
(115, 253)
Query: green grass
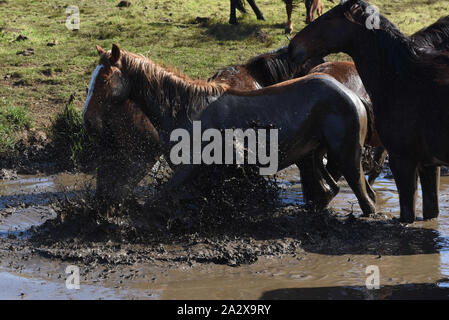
(164, 30)
(12, 120)
(70, 138)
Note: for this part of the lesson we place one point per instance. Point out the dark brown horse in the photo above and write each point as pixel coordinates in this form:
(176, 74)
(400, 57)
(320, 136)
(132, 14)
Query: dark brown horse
(312, 7)
(264, 70)
(312, 114)
(408, 85)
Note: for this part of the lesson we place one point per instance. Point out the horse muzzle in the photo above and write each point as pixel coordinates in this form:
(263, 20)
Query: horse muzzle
(93, 125)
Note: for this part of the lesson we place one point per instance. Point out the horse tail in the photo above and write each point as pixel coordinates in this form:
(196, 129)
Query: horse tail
(370, 115)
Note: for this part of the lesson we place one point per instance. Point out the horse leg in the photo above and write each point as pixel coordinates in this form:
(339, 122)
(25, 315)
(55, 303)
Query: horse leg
(232, 17)
(319, 188)
(332, 167)
(315, 6)
(319, 8)
(289, 9)
(311, 188)
(380, 154)
(351, 167)
(308, 4)
(256, 10)
(430, 181)
(315, 190)
(406, 176)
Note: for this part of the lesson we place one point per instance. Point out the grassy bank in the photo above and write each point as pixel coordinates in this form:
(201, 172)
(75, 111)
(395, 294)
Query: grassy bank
(40, 81)
(12, 120)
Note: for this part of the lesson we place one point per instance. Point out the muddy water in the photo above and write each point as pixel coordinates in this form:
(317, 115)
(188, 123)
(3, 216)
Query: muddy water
(24, 201)
(419, 273)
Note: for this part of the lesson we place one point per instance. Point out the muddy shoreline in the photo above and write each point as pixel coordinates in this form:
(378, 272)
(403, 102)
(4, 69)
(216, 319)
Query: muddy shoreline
(285, 252)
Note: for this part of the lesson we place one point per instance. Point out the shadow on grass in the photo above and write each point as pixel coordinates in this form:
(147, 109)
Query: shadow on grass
(227, 32)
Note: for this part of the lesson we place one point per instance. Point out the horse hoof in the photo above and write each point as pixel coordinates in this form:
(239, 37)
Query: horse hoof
(288, 30)
(233, 21)
(406, 219)
(261, 18)
(430, 216)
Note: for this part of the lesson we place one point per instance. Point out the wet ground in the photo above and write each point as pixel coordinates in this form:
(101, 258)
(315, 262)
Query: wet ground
(295, 254)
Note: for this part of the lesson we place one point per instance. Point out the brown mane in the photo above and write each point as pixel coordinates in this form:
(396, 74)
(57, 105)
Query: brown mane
(170, 89)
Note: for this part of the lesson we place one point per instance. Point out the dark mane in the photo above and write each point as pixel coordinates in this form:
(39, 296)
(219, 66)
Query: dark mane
(435, 36)
(274, 67)
(402, 54)
(171, 89)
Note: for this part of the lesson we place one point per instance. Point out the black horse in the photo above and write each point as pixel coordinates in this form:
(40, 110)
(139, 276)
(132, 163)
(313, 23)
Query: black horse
(408, 82)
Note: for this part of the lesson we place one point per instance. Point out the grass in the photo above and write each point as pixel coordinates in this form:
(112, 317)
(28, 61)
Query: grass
(166, 31)
(69, 137)
(12, 120)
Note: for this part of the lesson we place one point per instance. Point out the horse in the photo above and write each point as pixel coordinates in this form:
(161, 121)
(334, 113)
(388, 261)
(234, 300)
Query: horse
(312, 6)
(434, 37)
(128, 128)
(264, 70)
(346, 73)
(315, 113)
(274, 67)
(408, 85)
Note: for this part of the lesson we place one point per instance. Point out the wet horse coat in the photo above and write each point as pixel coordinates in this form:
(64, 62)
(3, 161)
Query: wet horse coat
(312, 114)
(274, 67)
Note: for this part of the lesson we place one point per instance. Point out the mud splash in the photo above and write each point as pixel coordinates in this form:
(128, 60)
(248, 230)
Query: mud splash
(297, 255)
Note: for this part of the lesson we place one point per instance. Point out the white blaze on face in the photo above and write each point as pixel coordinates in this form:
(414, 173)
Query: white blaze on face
(91, 87)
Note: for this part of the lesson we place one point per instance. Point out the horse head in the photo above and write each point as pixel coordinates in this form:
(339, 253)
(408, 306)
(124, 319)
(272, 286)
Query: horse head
(334, 31)
(129, 140)
(108, 87)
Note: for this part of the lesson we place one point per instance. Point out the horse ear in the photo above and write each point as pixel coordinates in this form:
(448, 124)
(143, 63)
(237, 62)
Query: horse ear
(100, 50)
(115, 54)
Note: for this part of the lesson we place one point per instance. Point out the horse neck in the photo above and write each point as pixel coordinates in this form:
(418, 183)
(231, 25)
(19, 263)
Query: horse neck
(383, 61)
(169, 99)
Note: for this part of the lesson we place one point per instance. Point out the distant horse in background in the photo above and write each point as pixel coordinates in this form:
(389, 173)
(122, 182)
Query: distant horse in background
(312, 7)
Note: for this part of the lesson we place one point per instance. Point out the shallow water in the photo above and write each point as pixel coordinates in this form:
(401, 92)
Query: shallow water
(16, 286)
(420, 270)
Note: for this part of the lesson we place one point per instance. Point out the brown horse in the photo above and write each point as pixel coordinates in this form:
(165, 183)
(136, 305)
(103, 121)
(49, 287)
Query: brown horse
(312, 114)
(312, 7)
(408, 85)
(129, 146)
(264, 70)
